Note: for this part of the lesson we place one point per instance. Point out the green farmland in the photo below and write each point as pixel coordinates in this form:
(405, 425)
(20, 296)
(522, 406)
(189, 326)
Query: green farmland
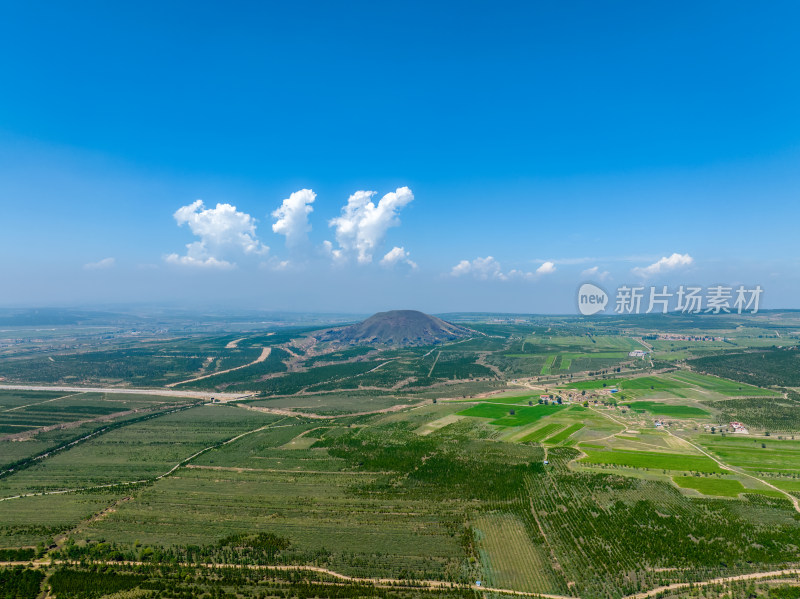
(418, 466)
(22, 411)
(501, 415)
(662, 409)
(721, 487)
(652, 460)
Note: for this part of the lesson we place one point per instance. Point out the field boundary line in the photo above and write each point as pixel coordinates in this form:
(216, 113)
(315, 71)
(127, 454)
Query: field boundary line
(436, 359)
(183, 462)
(38, 403)
(216, 446)
(149, 414)
(374, 369)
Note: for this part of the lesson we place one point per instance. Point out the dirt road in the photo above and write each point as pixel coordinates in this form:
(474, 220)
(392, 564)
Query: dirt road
(296, 414)
(686, 585)
(128, 390)
(265, 352)
(428, 584)
(377, 582)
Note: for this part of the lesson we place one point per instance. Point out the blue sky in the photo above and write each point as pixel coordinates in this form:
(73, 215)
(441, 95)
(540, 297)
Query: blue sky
(582, 134)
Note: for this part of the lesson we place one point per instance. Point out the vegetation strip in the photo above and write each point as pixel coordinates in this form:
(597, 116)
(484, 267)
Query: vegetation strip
(392, 582)
(148, 480)
(410, 583)
(28, 462)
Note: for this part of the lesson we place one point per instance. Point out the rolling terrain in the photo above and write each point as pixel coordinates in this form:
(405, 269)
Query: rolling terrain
(531, 458)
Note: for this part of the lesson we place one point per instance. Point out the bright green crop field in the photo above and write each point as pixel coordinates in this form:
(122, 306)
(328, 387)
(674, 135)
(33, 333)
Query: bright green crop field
(652, 460)
(662, 409)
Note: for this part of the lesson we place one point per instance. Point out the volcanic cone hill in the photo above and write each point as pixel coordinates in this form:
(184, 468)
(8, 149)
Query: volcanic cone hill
(398, 328)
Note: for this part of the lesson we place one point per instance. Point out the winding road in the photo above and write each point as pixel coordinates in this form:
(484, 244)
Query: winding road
(265, 352)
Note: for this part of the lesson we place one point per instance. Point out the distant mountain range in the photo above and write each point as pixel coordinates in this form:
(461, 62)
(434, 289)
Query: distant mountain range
(397, 328)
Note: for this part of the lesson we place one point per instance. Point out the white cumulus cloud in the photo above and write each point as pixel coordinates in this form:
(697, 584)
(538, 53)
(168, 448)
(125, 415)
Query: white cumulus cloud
(337, 255)
(397, 255)
(100, 265)
(480, 268)
(223, 232)
(362, 226)
(546, 268)
(665, 264)
(188, 260)
(595, 273)
(488, 268)
(292, 217)
(521, 274)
